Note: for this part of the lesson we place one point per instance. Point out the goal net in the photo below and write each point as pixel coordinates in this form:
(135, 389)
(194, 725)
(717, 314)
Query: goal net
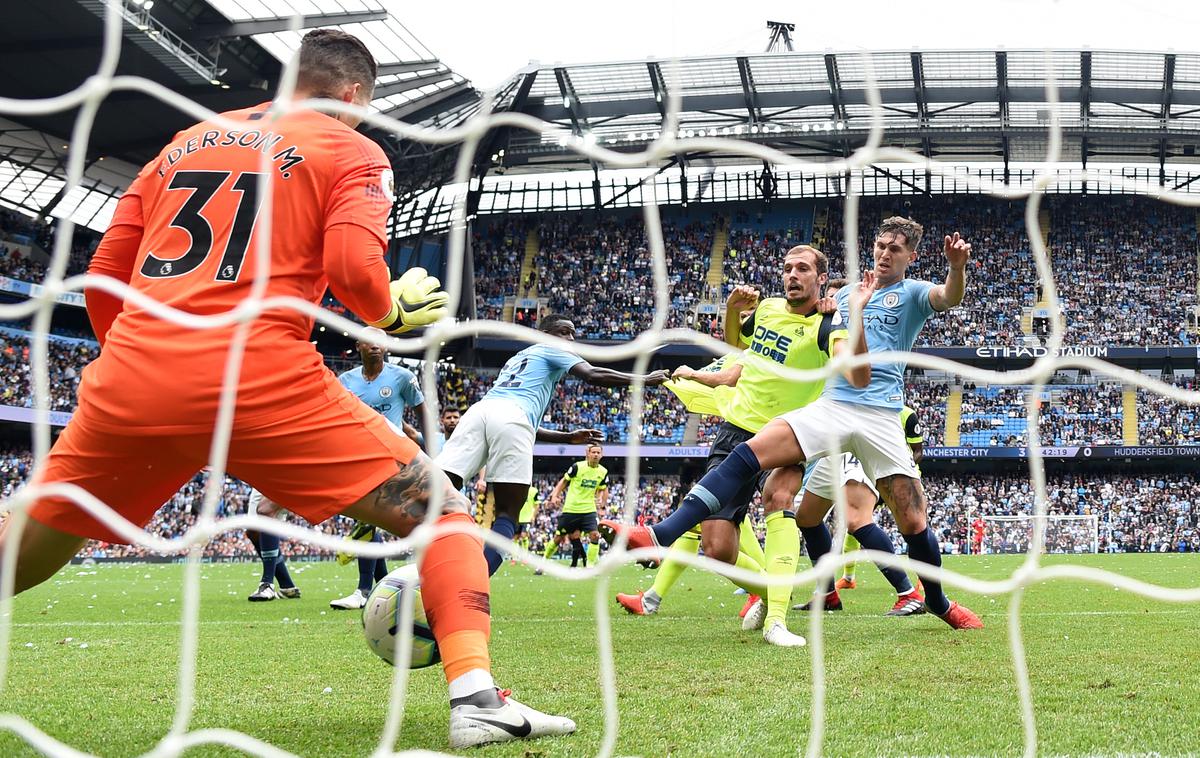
(91, 94)
(1061, 534)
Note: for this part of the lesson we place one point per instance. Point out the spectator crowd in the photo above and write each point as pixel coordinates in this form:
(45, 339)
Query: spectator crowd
(1133, 512)
(1089, 414)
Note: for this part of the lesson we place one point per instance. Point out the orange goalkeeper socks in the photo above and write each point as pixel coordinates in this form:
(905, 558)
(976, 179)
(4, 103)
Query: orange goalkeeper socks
(454, 591)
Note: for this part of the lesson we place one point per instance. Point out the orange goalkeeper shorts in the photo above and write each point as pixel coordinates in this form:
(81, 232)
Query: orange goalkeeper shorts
(316, 465)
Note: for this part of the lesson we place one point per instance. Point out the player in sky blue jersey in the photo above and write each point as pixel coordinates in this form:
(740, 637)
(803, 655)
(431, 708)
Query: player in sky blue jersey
(862, 421)
(500, 429)
(390, 390)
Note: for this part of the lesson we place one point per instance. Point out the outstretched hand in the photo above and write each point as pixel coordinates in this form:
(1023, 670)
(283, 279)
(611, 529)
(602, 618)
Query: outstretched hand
(743, 298)
(861, 295)
(957, 250)
(586, 437)
(655, 378)
(683, 372)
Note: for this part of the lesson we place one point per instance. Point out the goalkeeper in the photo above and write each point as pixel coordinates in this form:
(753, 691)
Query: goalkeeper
(188, 234)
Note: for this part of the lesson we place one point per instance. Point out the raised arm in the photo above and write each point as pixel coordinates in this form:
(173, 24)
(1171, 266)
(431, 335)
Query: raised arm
(945, 296)
(607, 377)
(354, 242)
(570, 436)
(743, 298)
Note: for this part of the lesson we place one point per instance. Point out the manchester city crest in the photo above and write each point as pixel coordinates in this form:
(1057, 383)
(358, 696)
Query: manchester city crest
(385, 392)
(891, 300)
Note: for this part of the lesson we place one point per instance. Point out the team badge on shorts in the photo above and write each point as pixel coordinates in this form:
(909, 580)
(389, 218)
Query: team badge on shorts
(891, 300)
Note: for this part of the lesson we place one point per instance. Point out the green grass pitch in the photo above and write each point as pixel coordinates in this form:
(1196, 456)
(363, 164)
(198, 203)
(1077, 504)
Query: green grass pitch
(94, 659)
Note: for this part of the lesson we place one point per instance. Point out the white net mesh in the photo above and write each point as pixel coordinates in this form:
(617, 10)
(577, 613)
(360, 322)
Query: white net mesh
(88, 97)
(1061, 534)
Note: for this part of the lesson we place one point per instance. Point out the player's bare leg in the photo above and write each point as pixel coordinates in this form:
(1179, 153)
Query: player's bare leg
(776, 446)
(905, 497)
(860, 523)
(41, 552)
(454, 591)
(782, 552)
(721, 541)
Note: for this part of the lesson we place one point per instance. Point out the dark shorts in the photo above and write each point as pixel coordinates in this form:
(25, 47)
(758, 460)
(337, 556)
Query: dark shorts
(728, 437)
(569, 523)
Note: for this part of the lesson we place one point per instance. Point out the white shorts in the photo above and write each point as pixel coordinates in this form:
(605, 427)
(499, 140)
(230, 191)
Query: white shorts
(822, 478)
(873, 435)
(495, 433)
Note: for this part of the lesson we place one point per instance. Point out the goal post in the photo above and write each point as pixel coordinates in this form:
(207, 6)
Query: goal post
(1064, 533)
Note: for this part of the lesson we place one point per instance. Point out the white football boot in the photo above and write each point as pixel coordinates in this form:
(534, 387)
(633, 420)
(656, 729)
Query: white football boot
(778, 634)
(492, 716)
(351, 602)
(755, 617)
(264, 593)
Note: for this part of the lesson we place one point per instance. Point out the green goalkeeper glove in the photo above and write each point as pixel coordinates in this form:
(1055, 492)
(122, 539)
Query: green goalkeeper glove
(417, 300)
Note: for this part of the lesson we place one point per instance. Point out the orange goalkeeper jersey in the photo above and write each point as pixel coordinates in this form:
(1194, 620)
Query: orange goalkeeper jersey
(187, 233)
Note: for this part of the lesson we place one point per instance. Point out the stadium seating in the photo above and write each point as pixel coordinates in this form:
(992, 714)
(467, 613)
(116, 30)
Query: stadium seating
(600, 273)
(67, 357)
(498, 250)
(1072, 414)
(1162, 421)
(1107, 253)
(1136, 513)
(17, 231)
(1089, 414)
(577, 405)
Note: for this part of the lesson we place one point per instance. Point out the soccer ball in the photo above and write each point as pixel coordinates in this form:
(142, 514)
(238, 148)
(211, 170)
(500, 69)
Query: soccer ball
(381, 619)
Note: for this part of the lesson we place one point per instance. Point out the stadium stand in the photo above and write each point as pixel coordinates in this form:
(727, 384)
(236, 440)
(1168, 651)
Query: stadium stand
(1089, 414)
(498, 250)
(1162, 421)
(576, 404)
(1092, 241)
(599, 272)
(67, 357)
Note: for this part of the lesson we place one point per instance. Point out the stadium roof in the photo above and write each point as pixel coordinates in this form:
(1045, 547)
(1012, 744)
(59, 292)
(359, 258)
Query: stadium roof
(224, 54)
(1114, 106)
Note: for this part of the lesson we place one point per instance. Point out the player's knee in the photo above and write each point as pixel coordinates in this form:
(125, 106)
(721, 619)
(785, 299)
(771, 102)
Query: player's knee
(778, 500)
(911, 523)
(719, 549)
(860, 506)
(812, 511)
(594, 537)
(856, 521)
